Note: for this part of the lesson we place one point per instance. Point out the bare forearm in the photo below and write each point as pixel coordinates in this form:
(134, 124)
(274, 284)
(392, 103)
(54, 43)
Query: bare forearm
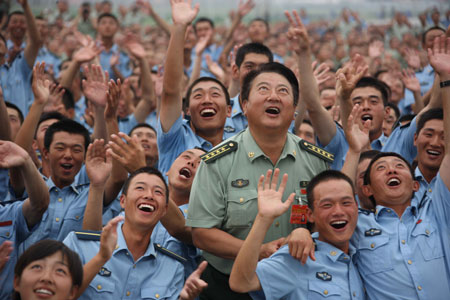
(69, 75)
(160, 21)
(148, 101)
(32, 48)
(196, 69)
(418, 103)
(217, 242)
(92, 219)
(445, 93)
(100, 131)
(351, 164)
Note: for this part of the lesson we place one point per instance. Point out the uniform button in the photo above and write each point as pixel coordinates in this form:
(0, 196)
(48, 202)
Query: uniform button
(241, 199)
(277, 224)
(128, 293)
(294, 152)
(185, 211)
(409, 262)
(372, 245)
(157, 296)
(419, 288)
(430, 190)
(403, 242)
(388, 210)
(77, 217)
(376, 211)
(127, 253)
(7, 234)
(325, 292)
(251, 154)
(99, 287)
(333, 253)
(59, 199)
(427, 231)
(57, 219)
(117, 247)
(234, 111)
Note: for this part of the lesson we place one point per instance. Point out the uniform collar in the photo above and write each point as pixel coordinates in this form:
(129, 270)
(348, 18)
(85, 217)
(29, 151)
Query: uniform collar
(51, 185)
(122, 245)
(236, 106)
(334, 254)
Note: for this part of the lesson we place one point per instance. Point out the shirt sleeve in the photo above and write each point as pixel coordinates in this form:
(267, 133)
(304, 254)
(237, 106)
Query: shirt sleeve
(169, 143)
(401, 141)
(338, 146)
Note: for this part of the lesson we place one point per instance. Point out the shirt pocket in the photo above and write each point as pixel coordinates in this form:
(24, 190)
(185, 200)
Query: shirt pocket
(318, 289)
(158, 292)
(242, 207)
(74, 218)
(103, 287)
(428, 239)
(6, 233)
(374, 254)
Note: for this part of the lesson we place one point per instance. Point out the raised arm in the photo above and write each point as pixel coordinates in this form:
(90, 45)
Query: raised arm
(439, 58)
(160, 21)
(309, 90)
(202, 42)
(12, 155)
(243, 276)
(171, 105)
(413, 84)
(34, 38)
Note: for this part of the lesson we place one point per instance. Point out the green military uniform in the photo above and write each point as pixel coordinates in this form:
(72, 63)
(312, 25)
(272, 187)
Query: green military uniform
(224, 193)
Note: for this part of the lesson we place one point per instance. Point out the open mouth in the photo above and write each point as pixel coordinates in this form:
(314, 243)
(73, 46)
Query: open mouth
(146, 146)
(433, 152)
(186, 173)
(67, 166)
(44, 292)
(146, 207)
(338, 224)
(366, 117)
(393, 182)
(273, 110)
(208, 112)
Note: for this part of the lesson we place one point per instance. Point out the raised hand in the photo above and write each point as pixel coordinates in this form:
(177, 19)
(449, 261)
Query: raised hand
(12, 155)
(98, 163)
(410, 80)
(357, 138)
(112, 99)
(439, 56)
(297, 32)
(134, 47)
(376, 49)
(412, 58)
(182, 11)
(40, 85)
(194, 284)
(114, 60)
(108, 238)
(215, 69)
(88, 52)
(95, 86)
(245, 7)
(130, 155)
(270, 204)
(348, 76)
(321, 72)
(6, 249)
(202, 43)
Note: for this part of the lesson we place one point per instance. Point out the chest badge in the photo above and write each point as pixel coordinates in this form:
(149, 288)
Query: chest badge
(240, 183)
(372, 232)
(324, 276)
(104, 272)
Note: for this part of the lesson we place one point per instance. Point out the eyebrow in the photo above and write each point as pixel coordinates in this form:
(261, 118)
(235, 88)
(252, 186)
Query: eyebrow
(370, 96)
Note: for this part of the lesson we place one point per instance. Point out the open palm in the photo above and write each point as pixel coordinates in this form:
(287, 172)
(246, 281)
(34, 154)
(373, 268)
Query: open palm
(182, 11)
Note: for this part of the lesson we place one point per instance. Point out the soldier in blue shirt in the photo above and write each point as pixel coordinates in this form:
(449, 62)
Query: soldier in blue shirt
(19, 219)
(334, 211)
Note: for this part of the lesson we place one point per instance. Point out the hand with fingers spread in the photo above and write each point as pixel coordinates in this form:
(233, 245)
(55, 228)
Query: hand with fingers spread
(245, 7)
(12, 155)
(129, 154)
(40, 84)
(357, 138)
(194, 284)
(349, 75)
(182, 11)
(134, 47)
(202, 43)
(87, 53)
(439, 57)
(376, 49)
(297, 32)
(412, 58)
(410, 80)
(6, 249)
(215, 69)
(112, 99)
(98, 163)
(95, 86)
(321, 72)
(108, 238)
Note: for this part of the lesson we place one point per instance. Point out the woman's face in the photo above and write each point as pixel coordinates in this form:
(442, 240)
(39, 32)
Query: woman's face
(47, 278)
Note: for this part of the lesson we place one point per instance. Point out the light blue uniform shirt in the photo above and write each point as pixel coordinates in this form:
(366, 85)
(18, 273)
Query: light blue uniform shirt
(80, 107)
(50, 59)
(179, 138)
(339, 147)
(401, 141)
(405, 104)
(4, 184)
(127, 123)
(124, 62)
(153, 276)
(64, 213)
(332, 276)
(237, 122)
(15, 80)
(14, 228)
(401, 258)
(426, 78)
(212, 50)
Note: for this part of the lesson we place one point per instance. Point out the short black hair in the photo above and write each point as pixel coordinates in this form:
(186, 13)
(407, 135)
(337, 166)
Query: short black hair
(107, 15)
(13, 106)
(326, 175)
(69, 126)
(376, 84)
(381, 155)
(424, 34)
(46, 248)
(431, 114)
(48, 116)
(369, 154)
(256, 48)
(147, 170)
(395, 108)
(202, 19)
(272, 67)
(67, 99)
(140, 125)
(202, 79)
(263, 21)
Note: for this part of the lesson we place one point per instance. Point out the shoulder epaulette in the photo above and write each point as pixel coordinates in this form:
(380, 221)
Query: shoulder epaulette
(167, 252)
(365, 211)
(219, 152)
(317, 151)
(88, 235)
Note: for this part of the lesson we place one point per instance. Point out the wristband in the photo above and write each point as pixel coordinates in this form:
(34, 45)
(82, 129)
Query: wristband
(445, 83)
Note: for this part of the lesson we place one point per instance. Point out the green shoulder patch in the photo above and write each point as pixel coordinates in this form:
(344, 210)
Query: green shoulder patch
(167, 252)
(317, 151)
(88, 235)
(219, 152)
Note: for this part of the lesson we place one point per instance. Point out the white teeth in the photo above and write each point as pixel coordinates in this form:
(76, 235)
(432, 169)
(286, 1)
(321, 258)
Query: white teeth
(207, 111)
(146, 207)
(338, 222)
(366, 117)
(393, 181)
(44, 291)
(433, 152)
(185, 172)
(145, 146)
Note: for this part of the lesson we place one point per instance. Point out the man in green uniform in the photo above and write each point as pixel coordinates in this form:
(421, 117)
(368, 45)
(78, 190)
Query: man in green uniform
(223, 202)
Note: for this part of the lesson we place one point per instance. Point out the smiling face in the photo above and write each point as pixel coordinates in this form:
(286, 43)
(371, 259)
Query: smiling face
(47, 278)
(370, 100)
(182, 172)
(208, 106)
(17, 26)
(145, 201)
(391, 183)
(335, 212)
(66, 155)
(430, 145)
(270, 104)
